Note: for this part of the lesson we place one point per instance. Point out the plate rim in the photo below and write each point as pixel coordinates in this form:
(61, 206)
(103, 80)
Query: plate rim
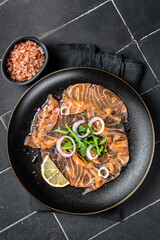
(153, 131)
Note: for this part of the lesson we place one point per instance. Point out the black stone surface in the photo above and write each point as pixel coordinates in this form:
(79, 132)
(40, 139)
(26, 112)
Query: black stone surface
(142, 16)
(30, 17)
(151, 98)
(134, 227)
(37, 226)
(148, 80)
(149, 190)
(5, 119)
(9, 95)
(14, 201)
(102, 27)
(84, 227)
(4, 163)
(151, 49)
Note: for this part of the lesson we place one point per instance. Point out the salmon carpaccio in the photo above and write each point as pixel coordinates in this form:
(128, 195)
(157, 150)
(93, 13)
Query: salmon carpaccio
(89, 100)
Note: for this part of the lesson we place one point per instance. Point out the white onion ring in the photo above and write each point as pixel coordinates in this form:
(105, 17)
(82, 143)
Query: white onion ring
(89, 153)
(75, 127)
(62, 108)
(58, 146)
(94, 120)
(107, 172)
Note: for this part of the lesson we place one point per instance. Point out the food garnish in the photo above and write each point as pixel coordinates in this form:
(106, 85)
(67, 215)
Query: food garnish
(82, 142)
(94, 120)
(89, 122)
(89, 156)
(105, 170)
(69, 145)
(78, 128)
(64, 111)
(51, 174)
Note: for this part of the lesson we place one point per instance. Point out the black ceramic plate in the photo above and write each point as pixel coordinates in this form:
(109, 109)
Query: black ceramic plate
(70, 199)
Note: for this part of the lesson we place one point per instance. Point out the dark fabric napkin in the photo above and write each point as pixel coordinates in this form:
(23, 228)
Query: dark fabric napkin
(86, 55)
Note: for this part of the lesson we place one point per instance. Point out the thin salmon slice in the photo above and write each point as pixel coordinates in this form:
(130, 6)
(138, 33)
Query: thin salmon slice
(42, 124)
(89, 100)
(94, 98)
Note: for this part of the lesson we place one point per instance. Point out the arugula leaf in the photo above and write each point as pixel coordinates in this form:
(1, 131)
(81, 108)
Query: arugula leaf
(102, 141)
(89, 137)
(68, 145)
(102, 135)
(82, 129)
(83, 148)
(83, 151)
(96, 145)
(81, 144)
(62, 131)
(66, 140)
(72, 133)
(95, 139)
(94, 150)
(88, 142)
(86, 120)
(80, 156)
(103, 149)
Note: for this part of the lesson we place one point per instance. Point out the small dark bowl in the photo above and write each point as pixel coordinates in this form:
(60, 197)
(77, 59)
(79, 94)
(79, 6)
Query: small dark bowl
(7, 76)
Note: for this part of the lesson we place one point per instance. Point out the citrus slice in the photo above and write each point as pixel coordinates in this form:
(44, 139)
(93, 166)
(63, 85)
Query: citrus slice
(51, 174)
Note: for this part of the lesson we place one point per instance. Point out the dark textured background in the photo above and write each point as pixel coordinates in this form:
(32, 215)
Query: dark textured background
(129, 27)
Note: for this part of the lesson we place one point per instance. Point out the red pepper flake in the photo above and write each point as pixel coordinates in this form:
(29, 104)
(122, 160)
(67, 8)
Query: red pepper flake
(37, 109)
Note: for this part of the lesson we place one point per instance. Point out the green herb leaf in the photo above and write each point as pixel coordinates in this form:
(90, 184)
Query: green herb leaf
(94, 150)
(80, 156)
(103, 141)
(66, 140)
(88, 142)
(105, 149)
(101, 148)
(72, 133)
(82, 129)
(68, 145)
(86, 120)
(95, 139)
(62, 131)
(83, 151)
(96, 145)
(82, 144)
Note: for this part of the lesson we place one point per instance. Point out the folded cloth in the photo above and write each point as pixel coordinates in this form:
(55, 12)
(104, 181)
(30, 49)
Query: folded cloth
(86, 55)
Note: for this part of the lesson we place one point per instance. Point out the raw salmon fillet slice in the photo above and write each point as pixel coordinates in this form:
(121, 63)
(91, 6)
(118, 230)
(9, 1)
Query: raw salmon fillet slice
(90, 100)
